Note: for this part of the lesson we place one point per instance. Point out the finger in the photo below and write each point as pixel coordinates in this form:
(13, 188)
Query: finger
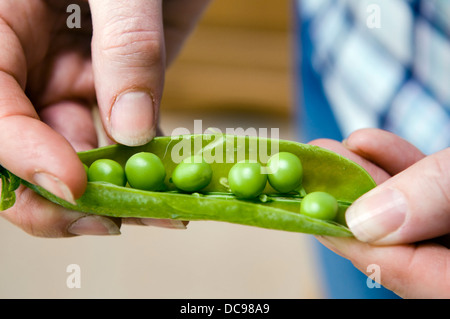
(387, 150)
(68, 76)
(408, 270)
(29, 148)
(163, 223)
(74, 121)
(413, 205)
(39, 217)
(23, 44)
(32, 150)
(129, 63)
(378, 174)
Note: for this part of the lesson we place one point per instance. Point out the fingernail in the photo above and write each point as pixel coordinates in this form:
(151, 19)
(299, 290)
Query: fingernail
(375, 216)
(132, 119)
(347, 146)
(94, 225)
(335, 244)
(54, 185)
(178, 224)
(165, 223)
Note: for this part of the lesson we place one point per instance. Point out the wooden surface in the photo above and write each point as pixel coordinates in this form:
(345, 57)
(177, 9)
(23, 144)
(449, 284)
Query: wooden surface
(237, 58)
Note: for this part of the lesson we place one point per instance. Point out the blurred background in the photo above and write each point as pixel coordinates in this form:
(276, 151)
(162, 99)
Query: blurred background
(235, 71)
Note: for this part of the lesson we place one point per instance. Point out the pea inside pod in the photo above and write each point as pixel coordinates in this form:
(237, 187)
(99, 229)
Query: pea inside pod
(108, 171)
(145, 170)
(192, 174)
(285, 172)
(247, 179)
(322, 171)
(319, 205)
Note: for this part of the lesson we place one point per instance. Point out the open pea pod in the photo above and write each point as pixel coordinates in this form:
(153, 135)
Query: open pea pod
(323, 171)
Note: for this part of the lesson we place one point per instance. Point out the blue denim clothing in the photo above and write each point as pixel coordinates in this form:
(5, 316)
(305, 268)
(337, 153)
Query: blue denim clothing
(372, 63)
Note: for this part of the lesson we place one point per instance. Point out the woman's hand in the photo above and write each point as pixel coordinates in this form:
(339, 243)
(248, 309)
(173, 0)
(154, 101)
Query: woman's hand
(50, 77)
(402, 224)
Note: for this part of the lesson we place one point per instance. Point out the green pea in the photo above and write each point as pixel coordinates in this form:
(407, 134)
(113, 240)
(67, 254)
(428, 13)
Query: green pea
(320, 205)
(107, 170)
(192, 174)
(246, 179)
(145, 171)
(285, 172)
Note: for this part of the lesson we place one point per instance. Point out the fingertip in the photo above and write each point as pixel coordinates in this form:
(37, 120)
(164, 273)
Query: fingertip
(395, 212)
(383, 148)
(42, 157)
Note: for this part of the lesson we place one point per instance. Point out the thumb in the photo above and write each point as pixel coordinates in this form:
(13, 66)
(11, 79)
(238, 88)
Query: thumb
(129, 63)
(411, 206)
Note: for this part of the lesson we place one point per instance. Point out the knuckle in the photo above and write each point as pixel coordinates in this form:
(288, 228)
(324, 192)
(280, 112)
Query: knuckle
(125, 41)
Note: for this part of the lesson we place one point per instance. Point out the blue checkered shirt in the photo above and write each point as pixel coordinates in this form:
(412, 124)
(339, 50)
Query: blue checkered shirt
(376, 63)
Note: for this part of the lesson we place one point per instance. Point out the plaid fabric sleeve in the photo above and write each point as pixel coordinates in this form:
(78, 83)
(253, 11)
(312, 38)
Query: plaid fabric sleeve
(381, 63)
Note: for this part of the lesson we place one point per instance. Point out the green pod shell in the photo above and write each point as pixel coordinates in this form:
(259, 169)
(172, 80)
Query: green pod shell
(323, 170)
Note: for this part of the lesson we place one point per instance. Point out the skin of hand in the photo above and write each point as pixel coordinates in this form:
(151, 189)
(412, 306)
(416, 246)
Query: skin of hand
(51, 76)
(403, 224)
